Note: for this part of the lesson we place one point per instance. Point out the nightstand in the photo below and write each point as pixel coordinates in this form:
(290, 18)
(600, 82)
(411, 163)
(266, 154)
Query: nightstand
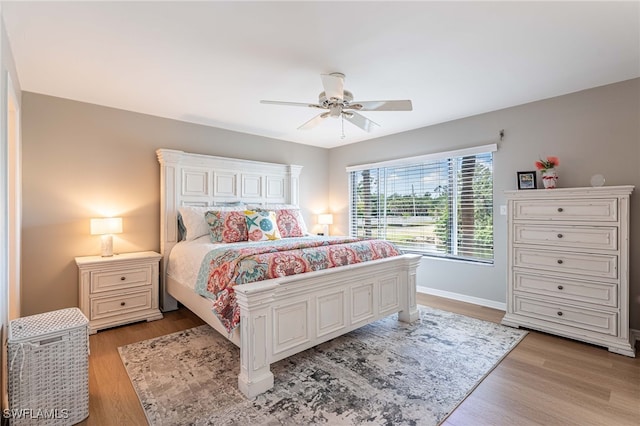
(119, 289)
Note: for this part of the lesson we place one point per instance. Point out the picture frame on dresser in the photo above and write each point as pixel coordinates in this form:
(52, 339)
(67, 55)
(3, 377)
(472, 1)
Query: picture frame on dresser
(527, 180)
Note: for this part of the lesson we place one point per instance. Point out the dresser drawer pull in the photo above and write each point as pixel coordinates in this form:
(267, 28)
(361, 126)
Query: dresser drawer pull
(560, 262)
(559, 313)
(122, 303)
(560, 235)
(123, 278)
(560, 287)
(560, 209)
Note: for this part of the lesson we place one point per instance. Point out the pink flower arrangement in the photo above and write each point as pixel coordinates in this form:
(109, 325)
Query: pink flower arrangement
(549, 163)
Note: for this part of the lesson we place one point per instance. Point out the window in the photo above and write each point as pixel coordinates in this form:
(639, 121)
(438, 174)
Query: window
(436, 205)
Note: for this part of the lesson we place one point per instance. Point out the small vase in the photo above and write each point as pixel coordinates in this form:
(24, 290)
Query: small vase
(549, 178)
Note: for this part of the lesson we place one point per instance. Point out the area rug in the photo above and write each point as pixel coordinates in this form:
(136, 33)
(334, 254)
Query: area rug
(385, 373)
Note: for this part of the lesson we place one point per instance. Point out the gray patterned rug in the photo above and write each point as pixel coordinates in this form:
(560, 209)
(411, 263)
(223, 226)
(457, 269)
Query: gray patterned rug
(386, 373)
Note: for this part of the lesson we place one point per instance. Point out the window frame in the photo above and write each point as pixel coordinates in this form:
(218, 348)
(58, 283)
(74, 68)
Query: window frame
(417, 161)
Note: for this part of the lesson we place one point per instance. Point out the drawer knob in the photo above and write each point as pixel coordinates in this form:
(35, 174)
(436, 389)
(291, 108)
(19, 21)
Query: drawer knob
(560, 209)
(123, 278)
(559, 313)
(122, 303)
(560, 287)
(560, 262)
(560, 235)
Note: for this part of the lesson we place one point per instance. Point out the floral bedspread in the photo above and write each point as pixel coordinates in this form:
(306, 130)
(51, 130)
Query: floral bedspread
(225, 267)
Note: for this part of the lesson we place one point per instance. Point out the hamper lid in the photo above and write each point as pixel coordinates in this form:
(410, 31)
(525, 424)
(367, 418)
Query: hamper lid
(48, 322)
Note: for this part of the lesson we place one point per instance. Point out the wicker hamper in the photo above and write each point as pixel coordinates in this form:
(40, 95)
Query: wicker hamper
(49, 368)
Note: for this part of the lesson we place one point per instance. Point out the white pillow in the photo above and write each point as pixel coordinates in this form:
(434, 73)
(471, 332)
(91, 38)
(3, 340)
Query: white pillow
(194, 221)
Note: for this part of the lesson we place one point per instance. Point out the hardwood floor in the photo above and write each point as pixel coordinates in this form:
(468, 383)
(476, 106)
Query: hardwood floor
(112, 400)
(545, 380)
(549, 380)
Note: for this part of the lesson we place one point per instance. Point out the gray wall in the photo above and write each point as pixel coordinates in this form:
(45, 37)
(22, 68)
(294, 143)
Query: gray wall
(592, 131)
(82, 161)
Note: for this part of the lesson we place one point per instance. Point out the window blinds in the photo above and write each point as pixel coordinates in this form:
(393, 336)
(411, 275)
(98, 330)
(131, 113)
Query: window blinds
(437, 206)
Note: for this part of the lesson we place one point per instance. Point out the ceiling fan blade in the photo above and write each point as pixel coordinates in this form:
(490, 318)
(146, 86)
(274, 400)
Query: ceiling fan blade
(404, 105)
(333, 85)
(302, 104)
(314, 121)
(359, 120)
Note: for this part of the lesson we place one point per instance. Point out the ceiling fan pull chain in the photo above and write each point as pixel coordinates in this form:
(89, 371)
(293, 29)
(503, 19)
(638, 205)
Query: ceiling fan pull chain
(342, 119)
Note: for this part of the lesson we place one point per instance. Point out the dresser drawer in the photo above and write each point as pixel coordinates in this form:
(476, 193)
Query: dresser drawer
(594, 265)
(102, 307)
(124, 278)
(594, 237)
(586, 319)
(604, 294)
(600, 210)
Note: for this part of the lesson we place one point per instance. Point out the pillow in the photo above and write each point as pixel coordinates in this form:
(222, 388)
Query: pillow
(192, 218)
(290, 223)
(286, 215)
(262, 225)
(226, 227)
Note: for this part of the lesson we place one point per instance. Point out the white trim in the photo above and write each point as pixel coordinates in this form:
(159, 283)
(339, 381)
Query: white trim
(463, 298)
(14, 181)
(425, 158)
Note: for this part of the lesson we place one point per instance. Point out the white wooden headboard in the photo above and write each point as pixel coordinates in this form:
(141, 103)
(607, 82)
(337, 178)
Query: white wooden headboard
(204, 180)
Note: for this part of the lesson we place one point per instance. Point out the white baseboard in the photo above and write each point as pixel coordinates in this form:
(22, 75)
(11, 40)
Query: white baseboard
(464, 298)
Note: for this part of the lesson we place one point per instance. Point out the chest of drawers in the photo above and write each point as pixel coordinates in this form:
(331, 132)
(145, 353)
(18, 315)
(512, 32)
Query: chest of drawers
(568, 264)
(119, 289)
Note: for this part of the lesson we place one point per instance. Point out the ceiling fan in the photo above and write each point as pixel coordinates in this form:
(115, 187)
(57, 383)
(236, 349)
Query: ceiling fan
(339, 104)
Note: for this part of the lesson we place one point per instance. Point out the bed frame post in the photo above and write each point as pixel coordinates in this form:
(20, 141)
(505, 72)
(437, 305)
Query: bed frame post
(409, 305)
(255, 341)
(169, 174)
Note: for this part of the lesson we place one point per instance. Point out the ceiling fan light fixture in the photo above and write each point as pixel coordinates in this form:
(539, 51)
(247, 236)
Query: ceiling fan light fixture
(337, 101)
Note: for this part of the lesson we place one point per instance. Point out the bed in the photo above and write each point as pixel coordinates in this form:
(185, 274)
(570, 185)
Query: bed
(282, 316)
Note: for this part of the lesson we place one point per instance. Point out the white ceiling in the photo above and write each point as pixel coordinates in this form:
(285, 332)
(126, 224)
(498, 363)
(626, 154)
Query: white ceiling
(212, 62)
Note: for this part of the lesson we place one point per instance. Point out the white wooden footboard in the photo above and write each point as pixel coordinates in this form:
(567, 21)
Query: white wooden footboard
(282, 317)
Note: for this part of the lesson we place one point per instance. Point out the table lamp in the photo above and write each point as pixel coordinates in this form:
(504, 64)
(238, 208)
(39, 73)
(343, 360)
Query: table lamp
(325, 220)
(106, 227)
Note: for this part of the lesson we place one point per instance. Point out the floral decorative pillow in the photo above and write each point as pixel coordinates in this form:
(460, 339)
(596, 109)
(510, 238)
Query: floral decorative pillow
(194, 222)
(289, 223)
(262, 225)
(227, 227)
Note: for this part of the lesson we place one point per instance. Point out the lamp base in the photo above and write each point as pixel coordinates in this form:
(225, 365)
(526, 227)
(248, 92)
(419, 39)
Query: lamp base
(106, 245)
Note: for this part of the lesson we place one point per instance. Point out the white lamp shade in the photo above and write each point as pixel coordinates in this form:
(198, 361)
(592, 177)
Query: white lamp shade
(325, 219)
(106, 225)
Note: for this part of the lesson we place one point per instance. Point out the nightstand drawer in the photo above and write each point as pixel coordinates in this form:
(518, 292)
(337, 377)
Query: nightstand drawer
(585, 237)
(599, 321)
(120, 279)
(604, 294)
(600, 210)
(595, 265)
(103, 307)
